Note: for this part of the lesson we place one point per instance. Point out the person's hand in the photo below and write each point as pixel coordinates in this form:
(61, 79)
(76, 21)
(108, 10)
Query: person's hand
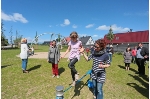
(81, 50)
(101, 65)
(145, 56)
(61, 57)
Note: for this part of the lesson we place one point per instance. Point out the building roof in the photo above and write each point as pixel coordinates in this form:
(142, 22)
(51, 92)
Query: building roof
(130, 37)
(84, 39)
(68, 39)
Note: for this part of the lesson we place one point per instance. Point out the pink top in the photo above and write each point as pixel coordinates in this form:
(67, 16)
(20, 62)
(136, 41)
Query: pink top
(134, 52)
(74, 53)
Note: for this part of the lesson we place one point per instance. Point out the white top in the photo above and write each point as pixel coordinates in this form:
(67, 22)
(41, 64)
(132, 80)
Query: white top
(24, 51)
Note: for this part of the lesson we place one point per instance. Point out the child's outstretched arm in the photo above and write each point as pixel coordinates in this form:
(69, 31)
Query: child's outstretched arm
(69, 47)
(82, 51)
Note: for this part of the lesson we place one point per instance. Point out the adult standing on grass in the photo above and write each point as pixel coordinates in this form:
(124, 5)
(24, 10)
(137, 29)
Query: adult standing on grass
(73, 47)
(100, 62)
(145, 53)
(139, 60)
(127, 58)
(24, 54)
(110, 51)
(54, 54)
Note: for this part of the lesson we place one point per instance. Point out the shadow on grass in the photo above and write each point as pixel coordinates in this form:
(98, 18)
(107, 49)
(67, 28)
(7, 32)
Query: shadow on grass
(6, 66)
(142, 90)
(61, 70)
(79, 86)
(35, 67)
(131, 69)
(77, 89)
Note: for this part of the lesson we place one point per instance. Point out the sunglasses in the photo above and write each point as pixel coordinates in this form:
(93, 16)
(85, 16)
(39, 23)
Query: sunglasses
(96, 47)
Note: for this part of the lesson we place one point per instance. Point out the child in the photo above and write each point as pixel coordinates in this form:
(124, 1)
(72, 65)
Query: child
(73, 46)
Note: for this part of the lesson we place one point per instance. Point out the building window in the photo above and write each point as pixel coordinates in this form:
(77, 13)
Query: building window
(117, 38)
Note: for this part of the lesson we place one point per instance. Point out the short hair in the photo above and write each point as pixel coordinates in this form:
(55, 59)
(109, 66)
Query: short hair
(74, 34)
(101, 43)
(54, 41)
(140, 43)
(23, 40)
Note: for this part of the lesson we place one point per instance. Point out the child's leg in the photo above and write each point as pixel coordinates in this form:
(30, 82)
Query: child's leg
(128, 66)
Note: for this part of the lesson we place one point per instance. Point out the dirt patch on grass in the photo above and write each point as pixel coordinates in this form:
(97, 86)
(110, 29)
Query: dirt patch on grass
(44, 55)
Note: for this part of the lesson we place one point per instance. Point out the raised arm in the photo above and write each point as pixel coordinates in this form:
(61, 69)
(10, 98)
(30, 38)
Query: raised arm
(82, 51)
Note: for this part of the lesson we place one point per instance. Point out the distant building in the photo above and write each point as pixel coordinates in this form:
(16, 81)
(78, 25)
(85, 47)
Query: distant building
(46, 42)
(86, 40)
(130, 37)
(67, 39)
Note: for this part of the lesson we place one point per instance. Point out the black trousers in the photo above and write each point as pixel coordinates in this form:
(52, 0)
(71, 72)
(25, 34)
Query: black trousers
(141, 66)
(138, 62)
(71, 65)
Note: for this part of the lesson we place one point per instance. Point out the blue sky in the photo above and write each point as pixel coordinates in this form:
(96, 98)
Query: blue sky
(86, 17)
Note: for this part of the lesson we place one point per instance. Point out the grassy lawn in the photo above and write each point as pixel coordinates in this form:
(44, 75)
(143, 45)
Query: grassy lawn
(39, 84)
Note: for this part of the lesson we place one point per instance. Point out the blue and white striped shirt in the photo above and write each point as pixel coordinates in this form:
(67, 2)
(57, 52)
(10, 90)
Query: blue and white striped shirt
(99, 73)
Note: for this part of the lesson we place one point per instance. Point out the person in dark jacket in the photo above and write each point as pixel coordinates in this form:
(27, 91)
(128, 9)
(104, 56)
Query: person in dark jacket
(145, 53)
(139, 59)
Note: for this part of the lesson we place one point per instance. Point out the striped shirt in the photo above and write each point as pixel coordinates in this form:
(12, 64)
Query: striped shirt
(99, 73)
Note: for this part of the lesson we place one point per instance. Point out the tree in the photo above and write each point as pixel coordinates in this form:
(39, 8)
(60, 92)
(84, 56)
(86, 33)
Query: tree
(18, 39)
(110, 35)
(11, 37)
(4, 41)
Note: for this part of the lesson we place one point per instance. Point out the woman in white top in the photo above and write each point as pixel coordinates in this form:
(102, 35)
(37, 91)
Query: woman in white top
(24, 54)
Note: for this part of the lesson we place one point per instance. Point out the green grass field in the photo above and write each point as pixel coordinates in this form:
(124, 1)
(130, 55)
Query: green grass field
(39, 84)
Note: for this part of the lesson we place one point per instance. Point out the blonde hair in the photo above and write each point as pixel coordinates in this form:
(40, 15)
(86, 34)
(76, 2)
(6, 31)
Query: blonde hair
(74, 34)
(23, 40)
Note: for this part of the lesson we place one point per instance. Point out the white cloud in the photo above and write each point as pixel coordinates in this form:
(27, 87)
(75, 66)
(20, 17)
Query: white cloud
(15, 17)
(66, 22)
(103, 27)
(40, 40)
(29, 39)
(95, 36)
(144, 13)
(114, 28)
(89, 26)
(50, 26)
(81, 35)
(74, 26)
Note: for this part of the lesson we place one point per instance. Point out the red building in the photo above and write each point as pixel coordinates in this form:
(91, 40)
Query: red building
(130, 37)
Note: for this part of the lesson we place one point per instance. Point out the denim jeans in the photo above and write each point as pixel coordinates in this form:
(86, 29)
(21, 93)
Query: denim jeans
(24, 64)
(98, 89)
(110, 57)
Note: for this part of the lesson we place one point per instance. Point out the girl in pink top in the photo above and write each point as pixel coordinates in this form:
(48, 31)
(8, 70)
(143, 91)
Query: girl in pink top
(134, 55)
(73, 47)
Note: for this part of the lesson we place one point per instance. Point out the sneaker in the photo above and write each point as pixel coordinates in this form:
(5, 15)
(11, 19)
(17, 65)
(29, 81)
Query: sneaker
(53, 76)
(25, 71)
(76, 76)
(73, 83)
(57, 76)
